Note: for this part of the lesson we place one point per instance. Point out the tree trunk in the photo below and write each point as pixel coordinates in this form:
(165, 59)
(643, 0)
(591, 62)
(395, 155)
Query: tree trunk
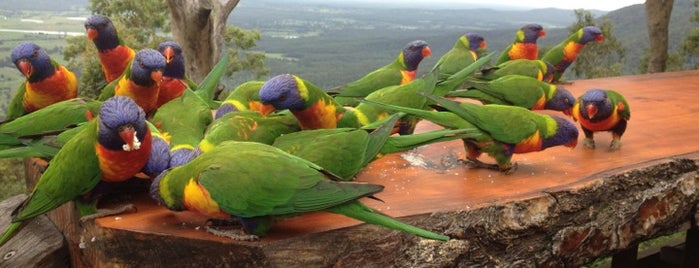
(658, 21)
(198, 26)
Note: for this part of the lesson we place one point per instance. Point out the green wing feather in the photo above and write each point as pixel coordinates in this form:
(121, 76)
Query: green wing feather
(616, 98)
(52, 119)
(272, 182)
(387, 75)
(16, 108)
(184, 119)
(494, 119)
(73, 172)
(517, 90)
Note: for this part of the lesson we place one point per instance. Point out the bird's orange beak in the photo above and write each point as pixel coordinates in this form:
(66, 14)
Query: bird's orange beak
(542, 33)
(599, 38)
(157, 76)
(426, 52)
(169, 54)
(483, 44)
(266, 109)
(92, 33)
(25, 67)
(128, 135)
(572, 143)
(591, 110)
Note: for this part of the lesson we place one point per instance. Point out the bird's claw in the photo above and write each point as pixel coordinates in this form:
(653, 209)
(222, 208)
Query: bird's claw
(615, 145)
(232, 234)
(589, 143)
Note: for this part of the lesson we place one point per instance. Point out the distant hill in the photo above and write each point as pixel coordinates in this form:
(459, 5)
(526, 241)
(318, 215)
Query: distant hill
(44, 5)
(630, 29)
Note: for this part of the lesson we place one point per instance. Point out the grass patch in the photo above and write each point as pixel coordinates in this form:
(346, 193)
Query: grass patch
(12, 180)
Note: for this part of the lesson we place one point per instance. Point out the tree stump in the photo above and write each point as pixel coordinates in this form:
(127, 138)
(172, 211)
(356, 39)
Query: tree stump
(561, 208)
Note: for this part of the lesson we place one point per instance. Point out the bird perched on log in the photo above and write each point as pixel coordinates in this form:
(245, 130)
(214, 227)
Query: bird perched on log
(505, 130)
(271, 185)
(565, 52)
(462, 54)
(602, 110)
(519, 90)
(524, 45)
(47, 82)
(115, 56)
(111, 148)
(400, 71)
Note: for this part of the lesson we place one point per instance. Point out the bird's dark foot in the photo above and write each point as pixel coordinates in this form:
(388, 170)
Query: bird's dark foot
(237, 234)
(223, 222)
(508, 168)
(615, 145)
(589, 143)
(478, 164)
(103, 212)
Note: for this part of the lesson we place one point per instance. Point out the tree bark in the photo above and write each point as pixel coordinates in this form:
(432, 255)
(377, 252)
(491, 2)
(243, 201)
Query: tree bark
(658, 21)
(198, 26)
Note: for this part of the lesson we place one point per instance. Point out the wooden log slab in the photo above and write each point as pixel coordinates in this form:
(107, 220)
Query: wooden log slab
(561, 207)
(38, 244)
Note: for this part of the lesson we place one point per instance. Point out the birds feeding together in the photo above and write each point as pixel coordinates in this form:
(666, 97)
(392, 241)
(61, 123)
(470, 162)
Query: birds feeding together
(310, 142)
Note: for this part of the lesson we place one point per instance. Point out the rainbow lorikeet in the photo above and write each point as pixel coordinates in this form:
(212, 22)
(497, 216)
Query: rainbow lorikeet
(539, 69)
(312, 107)
(245, 96)
(505, 130)
(462, 54)
(115, 56)
(271, 184)
(47, 81)
(519, 90)
(524, 45)
(174, 81)
(400, 71)
(563, 54)
(407, 96)
(602, 110)
(111, 148)
(140, 81)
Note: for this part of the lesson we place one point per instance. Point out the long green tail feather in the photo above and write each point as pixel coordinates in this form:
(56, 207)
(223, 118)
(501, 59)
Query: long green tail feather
(363, 213)
(396, 144)
(377, 138)
(11, 230)
(434, 117)
(208, 85)
(34, 149)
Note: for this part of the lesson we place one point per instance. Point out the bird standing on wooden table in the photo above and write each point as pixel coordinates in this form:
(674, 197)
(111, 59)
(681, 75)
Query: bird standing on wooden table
(602, 110)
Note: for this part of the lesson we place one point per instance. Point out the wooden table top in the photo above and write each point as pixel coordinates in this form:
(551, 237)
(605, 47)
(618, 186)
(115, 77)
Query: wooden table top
(429, 179)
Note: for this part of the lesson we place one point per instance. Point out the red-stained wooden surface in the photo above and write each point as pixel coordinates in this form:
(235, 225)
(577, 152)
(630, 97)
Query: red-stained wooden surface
(663, 124)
